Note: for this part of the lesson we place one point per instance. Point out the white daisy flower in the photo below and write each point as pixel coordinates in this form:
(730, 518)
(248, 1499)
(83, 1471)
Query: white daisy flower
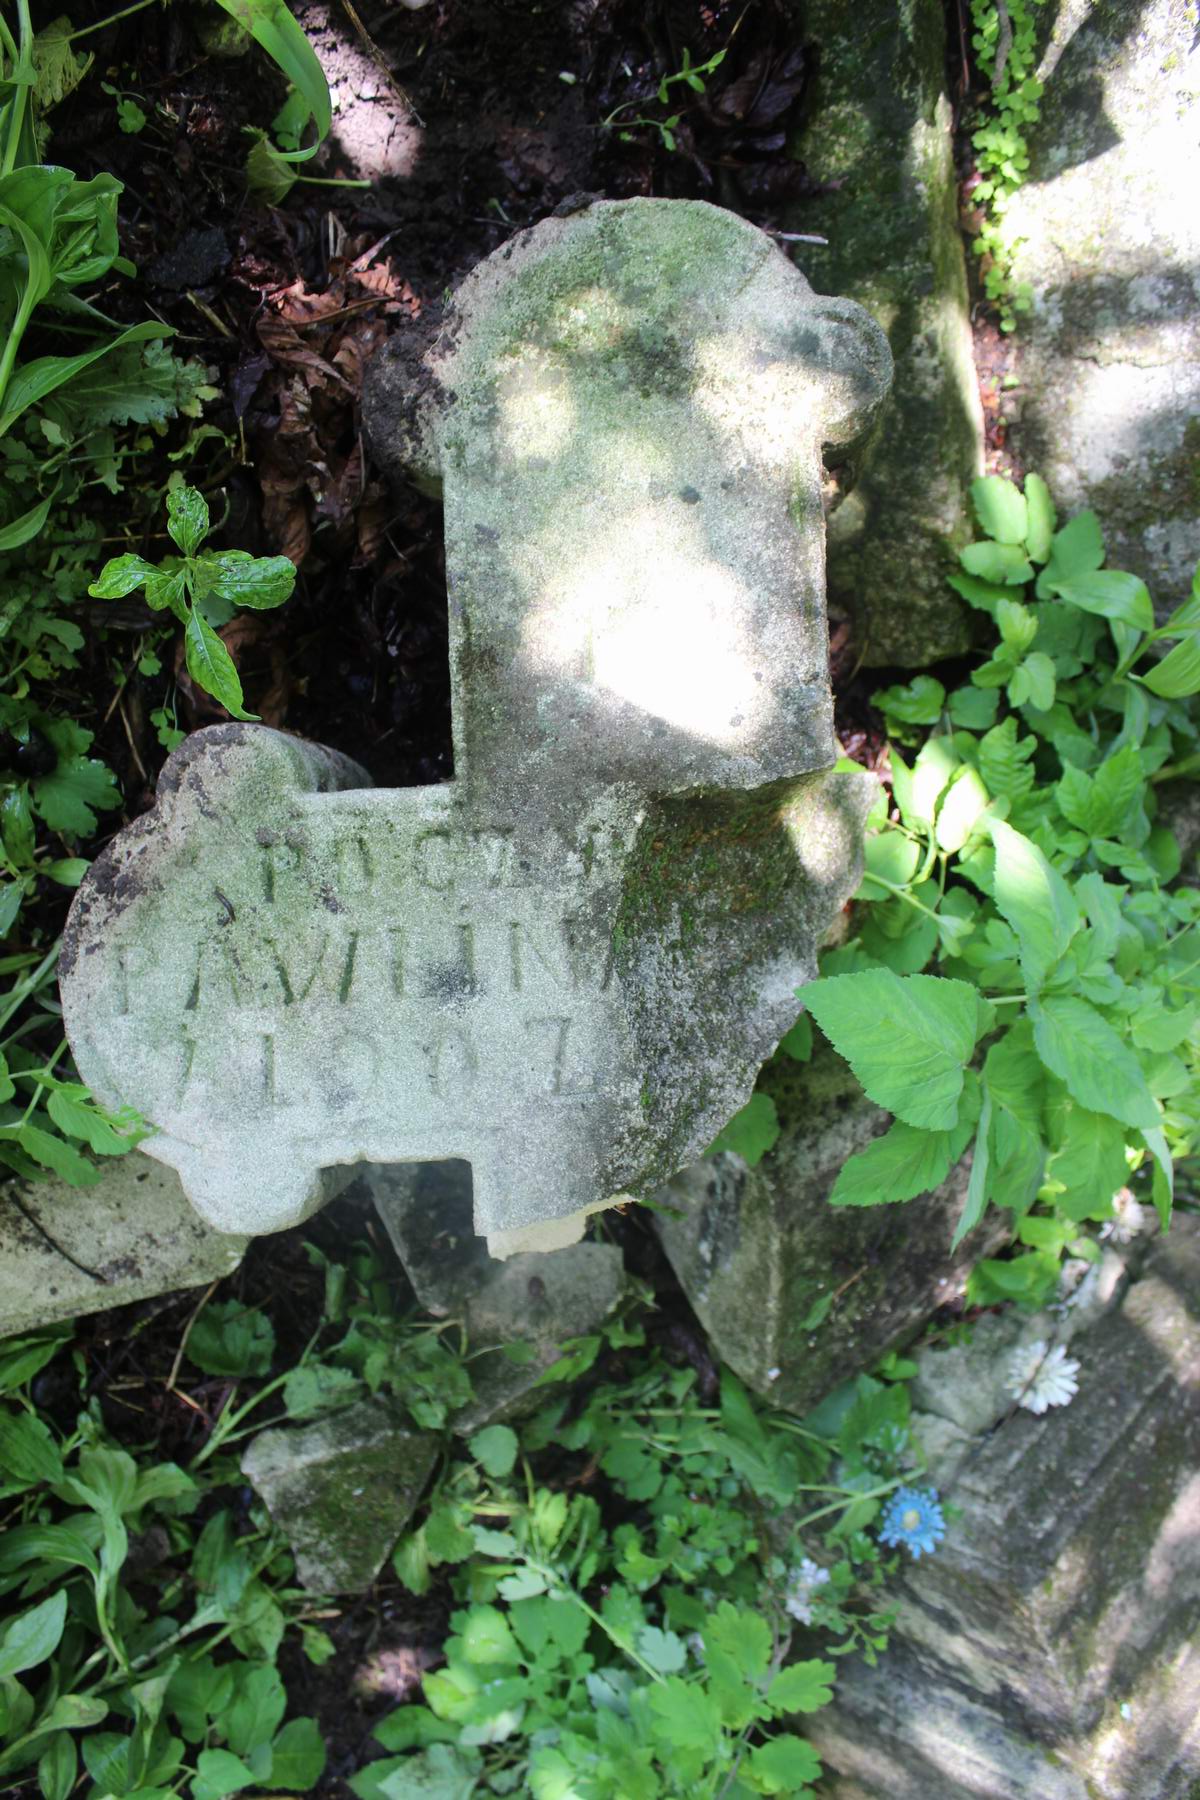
(1039, 1378)
(802, 1590)
(1128, 1220)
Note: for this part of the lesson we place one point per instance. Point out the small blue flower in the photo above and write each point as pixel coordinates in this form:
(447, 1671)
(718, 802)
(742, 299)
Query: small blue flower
(913, 1517)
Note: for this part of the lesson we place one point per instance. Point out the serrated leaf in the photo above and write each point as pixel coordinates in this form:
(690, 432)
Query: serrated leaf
(231, 1338)
(917, 702)
(803, 1687)
(59, 69)
(1079, 1046)
(663, 1650)
(211, 666)
(78, 1119)
(973, 709)
(218, 1773)
(743, 1635)
(55, 1153)
(1034, 899)
(1004, 761)
(1000, 508)
(984, 596)
(1089, 1165)
(785, 1765)
(1005, 565)
(1074, 551)
(901, 1164)
(685, 1716)
(907, 1038)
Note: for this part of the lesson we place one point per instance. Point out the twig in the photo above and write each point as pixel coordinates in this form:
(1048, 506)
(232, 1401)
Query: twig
(1004, 38)
(796, 237)
(133, 749)
(203, 1301)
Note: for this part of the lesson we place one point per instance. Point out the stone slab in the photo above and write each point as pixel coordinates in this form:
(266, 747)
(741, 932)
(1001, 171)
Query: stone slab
(759, 1251)
(342, 1490)
(1108, 407)
(878, 133)
(65, 1251)
(566, 965)
(1049, 1650)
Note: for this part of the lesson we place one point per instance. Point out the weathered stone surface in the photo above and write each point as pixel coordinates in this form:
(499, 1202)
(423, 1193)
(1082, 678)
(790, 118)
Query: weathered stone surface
(566, 965)
(426, 1210)
(879, 132)
(539, 1299)
(1108, 409)
(342, 1490)
(759, 1251)
(1049, 1650)
(66, 1250)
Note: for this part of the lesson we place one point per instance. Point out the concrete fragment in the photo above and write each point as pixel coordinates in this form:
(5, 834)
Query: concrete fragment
(795, 1295)
(66, 1250)
(342, 1490)
(879, 137)
(566, 965)
(1049, 1649)
(1108, 233)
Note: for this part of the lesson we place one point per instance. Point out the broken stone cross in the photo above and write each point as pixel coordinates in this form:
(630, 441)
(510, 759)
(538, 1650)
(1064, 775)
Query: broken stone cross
(566, 964)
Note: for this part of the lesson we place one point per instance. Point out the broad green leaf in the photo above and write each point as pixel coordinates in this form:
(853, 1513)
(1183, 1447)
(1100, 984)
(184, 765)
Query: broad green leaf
(1035, 900)
(973, 709)
(965, 801)
(187, 519)
(79, 1120)
(1164, 1174)
(907, 1038)
(1000, 508)
(1075, 550)
(892, 857)
(663, 1650)
(1089, 1164)
(495, 1448)
(1079, 1046)
(743, 1635)
(32, 1637)
(1112, 595)
(412, 1727)
(984, 596)
(1178, 674)
(685, 1716)
(259, 1703)
(918, 702)
(211, 666)
(59, 68)
(298, 1757)
(785, 1765)
(56, 1154)
(798, 1042)
(1041, 518)
(1004, 761)
(803, 1687)
(166, 588)
(57, 1767)
(258, 581)
(751, 1132)
(486, 1636)
(316, 1387)
(899, 1165)
(1034, 683)
(1004, 564)
(218, 1772)
(272, 26)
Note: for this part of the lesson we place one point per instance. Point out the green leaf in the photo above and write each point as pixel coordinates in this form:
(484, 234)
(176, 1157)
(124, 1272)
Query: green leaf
(316, 1387)
(1033, 684)
(19, 531)
(66, 797)
(1112, 595)
(977, 1186)
(187, 519)
(79, 1119)
(1164, 1174)
(34, 380)
(907, 1038)
(1089, 1164)
(685, 1716)
(1074, 551)
(1035, 900)
(120, 576)
(918, 702)
(743, 1635)
(663, 1650)
(1004, 564)
(1041, 518)
(899, 1165)
(752, 1131)
(973, 709)
(211, 666)
(258, 581)
(486, 1637)
(495, 1449)
(272, 26)
(56, 1154)
(1079, 1046)
(57, 1767)
(1004, 761)
(231, 1338)
(984, 596)
(803, 1687)
(412, 1727)
(33, 1637)
(218, 1772)
(1000, 508)
(259, 1703)
(785, 1765)
(298, 1756)
(1178, 674)
(892, 857)
(965, 801)
(798, 1042)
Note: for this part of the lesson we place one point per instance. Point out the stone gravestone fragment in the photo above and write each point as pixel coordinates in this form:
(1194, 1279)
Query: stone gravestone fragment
(67, 1250)
(1049, 1650)
(797, 1295)
(566, 965)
